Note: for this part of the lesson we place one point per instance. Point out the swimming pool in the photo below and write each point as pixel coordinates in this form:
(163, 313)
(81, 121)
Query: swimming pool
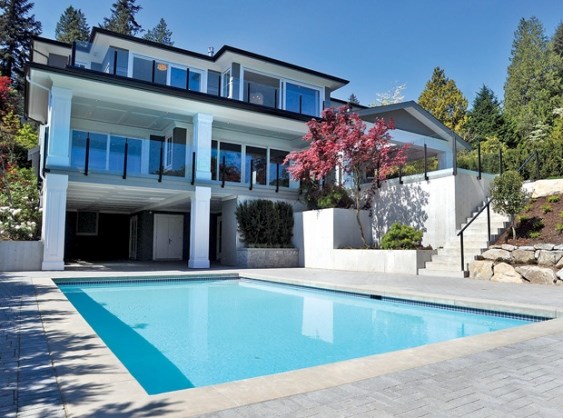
(178, 334)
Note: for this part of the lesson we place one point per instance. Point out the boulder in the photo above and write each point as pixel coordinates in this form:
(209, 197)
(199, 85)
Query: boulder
(508, 247)
(549, 258)
(559, 247)
(560, 274)
(504, 272)
(547, 247)
(496, 254)
(524, 257)
(559, 264)
(526, 248)
(481, 270)
(537, 275)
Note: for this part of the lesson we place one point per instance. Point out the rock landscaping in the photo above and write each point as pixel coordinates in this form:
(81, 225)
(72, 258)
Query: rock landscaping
(539, 264)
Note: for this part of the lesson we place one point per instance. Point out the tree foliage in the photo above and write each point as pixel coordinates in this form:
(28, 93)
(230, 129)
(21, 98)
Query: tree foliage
(339, 141)
(352, 99)
(160, 33)
(122, 19)
(485, 118)
(509, 198)
(72, 26)
(17, 27)
(401, 237)
(395, 95)
(444, 100)
(533, 85)
(558, 40)
(263, 223)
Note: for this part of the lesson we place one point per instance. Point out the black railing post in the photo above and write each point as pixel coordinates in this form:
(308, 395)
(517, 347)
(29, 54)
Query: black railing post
(87, 155)
(425, 162)
(153, 70)
(223, 172)
(251, 173)
(275, 98)
(537, 165)
(248, 92)
(400, 174)
(193, 168)
(277, 177)
(161, 166)
(187, 78)
(454, 168)
(114, 61)
(461, 250)
(73, 54)
(500, 160)
(125, 152)
(377, 183)
(479, 160)
(488, 223)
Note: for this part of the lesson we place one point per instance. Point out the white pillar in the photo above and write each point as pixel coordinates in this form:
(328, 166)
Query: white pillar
(54, 216)
(199, 228)
(58, 149)
(202, 145)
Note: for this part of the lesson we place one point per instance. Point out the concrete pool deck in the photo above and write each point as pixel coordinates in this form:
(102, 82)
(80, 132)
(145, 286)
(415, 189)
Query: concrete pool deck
(52, 364)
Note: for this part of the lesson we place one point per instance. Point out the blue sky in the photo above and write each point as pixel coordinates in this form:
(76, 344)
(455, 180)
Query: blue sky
(376, 44)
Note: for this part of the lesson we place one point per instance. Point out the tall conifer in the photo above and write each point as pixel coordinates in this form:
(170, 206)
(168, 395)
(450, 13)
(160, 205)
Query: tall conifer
(485, 118)
(160, 33)
(122, 19)
(72, 26)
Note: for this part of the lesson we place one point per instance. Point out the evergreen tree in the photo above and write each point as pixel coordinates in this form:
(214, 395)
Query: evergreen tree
(485, 118)
(160, 33)
(72, 26)
(533, 85)
(353, 99)
(558, 40)
(17, 27)
(122, 18)
(444, 100)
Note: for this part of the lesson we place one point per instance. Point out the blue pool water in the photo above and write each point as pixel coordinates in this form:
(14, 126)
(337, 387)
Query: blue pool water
(182, 334)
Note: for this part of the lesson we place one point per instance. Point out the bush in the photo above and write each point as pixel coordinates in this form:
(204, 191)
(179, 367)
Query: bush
(327, 196)
(401, 237)
(554, 198)
(546, 208)
(559, 228)
(509, 198)
(265, 224)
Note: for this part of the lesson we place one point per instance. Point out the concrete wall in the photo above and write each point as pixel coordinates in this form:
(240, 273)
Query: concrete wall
(438, 206)
(385, 261)
(21, 255)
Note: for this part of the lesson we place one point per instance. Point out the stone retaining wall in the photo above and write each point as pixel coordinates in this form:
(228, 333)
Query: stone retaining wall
(540, 264)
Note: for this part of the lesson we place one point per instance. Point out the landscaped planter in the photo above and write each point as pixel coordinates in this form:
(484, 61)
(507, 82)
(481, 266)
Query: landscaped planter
(21, 255)
(384, 261)
(267, 257)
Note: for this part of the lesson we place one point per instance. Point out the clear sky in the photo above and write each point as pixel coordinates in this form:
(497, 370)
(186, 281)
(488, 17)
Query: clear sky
(376, 44)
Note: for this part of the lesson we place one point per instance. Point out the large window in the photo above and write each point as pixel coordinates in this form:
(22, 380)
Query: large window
(226, 161)
(213, 83)
(261, 89)
(166, 74)
(278, 170)
(116, 61)
(106, 153)
(257, 160)
(302, 99)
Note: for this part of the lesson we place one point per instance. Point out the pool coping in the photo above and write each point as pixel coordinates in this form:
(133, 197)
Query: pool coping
(104, 380)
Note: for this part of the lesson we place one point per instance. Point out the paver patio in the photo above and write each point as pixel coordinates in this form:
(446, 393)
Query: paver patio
(516, 373)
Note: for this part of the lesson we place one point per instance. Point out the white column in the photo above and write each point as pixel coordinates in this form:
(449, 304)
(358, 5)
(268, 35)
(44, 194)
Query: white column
(58, 150)
(202, 145)
(54, 216)
(199, 228)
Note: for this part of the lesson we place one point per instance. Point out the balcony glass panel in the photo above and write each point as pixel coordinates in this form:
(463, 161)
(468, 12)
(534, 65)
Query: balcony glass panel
(260, 89)
(233, 157)
(277, 157)
(213, 83)
(301, 99)
(178, 77)
(195, 81)
(259, 159)
(160, 72)
(142, 69)
(117, 154)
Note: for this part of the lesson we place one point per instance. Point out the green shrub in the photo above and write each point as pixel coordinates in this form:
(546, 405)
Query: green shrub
(509, 198)
(534, 234)
(546, 208)
(554, 198)
(327, 196)
(263, 223)
(559, 228)
(401, 237)
(561, 214)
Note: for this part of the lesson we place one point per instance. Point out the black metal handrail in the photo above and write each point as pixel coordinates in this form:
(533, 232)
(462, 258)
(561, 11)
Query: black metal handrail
(193, 168)
(460, 233)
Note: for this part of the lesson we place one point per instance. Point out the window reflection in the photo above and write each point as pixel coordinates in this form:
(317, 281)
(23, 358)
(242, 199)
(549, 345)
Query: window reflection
(301, 99)
(229, 162)
(259, 163)
(276, 160)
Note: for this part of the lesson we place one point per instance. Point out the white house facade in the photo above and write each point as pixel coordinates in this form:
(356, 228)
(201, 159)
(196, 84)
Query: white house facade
(145, 149)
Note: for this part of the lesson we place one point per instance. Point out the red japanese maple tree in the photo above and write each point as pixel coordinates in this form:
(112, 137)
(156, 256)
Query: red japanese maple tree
(339, 141)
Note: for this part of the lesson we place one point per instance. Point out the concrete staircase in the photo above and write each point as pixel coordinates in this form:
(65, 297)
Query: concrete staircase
(447, 262)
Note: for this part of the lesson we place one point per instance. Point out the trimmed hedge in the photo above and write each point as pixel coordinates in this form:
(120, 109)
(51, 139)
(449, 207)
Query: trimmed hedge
(401, 237)
(265, 224)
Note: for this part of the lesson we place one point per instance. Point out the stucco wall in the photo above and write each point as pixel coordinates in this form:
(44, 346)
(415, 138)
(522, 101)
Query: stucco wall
(21, 255)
